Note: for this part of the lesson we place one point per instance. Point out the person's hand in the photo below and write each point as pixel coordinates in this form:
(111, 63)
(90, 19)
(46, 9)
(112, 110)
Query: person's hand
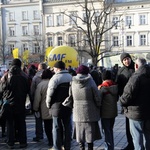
(37, 114)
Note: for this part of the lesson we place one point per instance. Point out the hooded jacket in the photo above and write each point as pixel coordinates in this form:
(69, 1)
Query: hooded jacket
(136, 95)
(86, 99)
(109, 93)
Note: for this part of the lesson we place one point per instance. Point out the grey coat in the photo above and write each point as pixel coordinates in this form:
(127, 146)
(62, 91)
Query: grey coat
(86, 99)
(40, 99)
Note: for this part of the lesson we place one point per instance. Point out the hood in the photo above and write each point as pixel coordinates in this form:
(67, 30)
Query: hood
(39, 73)
(110, 87)
(81, 79)
(14, 70)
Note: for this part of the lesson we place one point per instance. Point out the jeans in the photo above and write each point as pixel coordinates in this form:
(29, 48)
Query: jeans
(62, 126)
(107, 125)
(140, 135)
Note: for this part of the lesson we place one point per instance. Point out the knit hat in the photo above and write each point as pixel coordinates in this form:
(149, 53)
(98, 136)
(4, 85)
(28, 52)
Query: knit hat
(124, 55)
(106, 75)
(60, 65)
(82, 70)
(16, 62)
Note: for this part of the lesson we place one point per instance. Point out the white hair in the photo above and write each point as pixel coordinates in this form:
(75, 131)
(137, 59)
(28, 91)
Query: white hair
(140, 61)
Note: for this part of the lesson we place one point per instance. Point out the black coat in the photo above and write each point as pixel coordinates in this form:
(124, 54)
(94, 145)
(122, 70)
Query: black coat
(15, 89)
(136, 95)
(123, 75)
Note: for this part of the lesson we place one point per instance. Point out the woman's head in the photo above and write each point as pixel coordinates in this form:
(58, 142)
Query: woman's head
(47, 74)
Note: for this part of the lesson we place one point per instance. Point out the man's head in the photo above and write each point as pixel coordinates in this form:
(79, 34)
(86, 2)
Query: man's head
(140, 62)
(126, 59)
(42, 66)
(16, 62)
(59, 65)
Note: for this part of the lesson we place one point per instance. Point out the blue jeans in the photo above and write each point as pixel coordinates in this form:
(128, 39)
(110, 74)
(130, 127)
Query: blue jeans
(140, 135)
(62, 126)
(107, 125)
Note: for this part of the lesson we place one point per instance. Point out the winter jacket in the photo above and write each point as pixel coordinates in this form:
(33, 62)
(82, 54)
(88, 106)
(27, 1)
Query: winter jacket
(57, 92)
(109, 93)
(35, 81)
(15, 89)
(136, 95)
(123, 75)
(39, 103)
(86, 99)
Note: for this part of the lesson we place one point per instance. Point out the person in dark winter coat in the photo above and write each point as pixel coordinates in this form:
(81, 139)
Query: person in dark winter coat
(123, 75)
(15, 90)
(135, 100)
(86, 107)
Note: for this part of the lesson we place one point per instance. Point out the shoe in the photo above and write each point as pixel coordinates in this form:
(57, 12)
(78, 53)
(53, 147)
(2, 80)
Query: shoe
(23, 145)
(10, 146)
(128, 147)
(36, 139)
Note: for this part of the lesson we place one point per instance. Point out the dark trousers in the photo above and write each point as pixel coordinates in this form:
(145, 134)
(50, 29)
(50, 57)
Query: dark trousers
(128, 134)
(16, 119)
(48, 130)
(39, 127)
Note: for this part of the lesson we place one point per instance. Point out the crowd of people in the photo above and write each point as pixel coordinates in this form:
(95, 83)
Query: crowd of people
(70, 103)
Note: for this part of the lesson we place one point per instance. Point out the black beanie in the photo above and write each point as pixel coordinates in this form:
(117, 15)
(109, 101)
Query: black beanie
(16, 62)
(124, 55)
(106, 75)
(60, 65)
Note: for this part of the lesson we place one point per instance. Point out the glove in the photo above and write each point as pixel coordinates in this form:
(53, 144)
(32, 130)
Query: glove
(37, 114)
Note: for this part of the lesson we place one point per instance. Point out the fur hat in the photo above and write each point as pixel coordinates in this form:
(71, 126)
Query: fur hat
(82, 70)
(124, 55)
(16, 62)
(106, 75)
(60, 65)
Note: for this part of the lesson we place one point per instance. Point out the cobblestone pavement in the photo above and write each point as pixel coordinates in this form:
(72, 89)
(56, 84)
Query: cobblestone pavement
(119, 137)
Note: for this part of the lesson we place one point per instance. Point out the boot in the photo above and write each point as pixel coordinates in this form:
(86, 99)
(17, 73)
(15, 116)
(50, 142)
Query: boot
(90, 146)
(82, 146)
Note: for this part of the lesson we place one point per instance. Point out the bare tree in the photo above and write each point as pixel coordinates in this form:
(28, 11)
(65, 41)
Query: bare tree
(96, 24)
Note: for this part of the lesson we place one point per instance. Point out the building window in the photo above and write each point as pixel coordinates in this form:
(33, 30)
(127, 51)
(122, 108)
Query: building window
(115, 41)
(72, 40)
(25, 46)
(142, 19)
(85, 40)
(36, 15)
(97, 16)
(11, 16)
(129, 40)
(115, 21)
(59, 40)
(128, 21)
(84, 17)
(50, 21)
(24, 30)
(11, 31)
(11, 48)
(24, 15)
(60, 20)
(50, 41)
(36, 48)
(73, 18)
(142, 39)
(36, 30)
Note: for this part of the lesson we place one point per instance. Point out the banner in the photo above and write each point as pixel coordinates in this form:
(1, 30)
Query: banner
(47, 52)
(15, 53)
(25, 56)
